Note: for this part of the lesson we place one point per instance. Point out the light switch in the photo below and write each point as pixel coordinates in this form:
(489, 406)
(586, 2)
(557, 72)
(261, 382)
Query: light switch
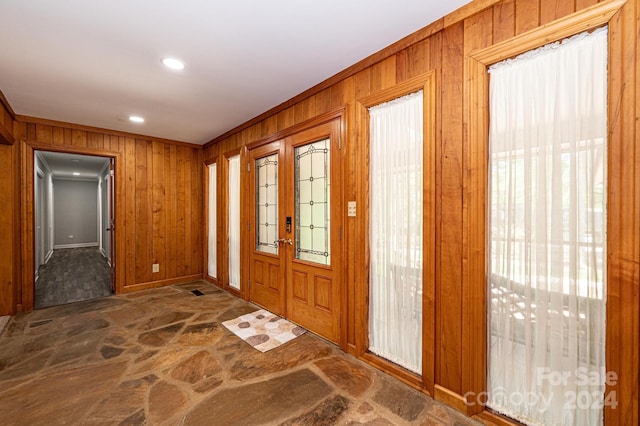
(155, 267)
(351, 208)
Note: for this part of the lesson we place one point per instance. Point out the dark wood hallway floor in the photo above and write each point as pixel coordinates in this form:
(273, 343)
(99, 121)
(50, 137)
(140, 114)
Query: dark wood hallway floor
(72, 275)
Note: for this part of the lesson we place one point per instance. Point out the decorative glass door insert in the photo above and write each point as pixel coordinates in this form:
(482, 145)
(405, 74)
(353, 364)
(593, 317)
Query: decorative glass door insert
(267, 204)
(312, 179)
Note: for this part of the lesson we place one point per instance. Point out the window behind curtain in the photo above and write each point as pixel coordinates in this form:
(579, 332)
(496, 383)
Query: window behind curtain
(212, 264)
(396, 144)
(547, 240)
(234, 222)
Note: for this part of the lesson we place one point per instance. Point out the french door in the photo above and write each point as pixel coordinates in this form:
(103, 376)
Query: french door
(295, 224)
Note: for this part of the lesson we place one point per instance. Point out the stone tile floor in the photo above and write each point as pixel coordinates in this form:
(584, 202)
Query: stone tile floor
(162, 357)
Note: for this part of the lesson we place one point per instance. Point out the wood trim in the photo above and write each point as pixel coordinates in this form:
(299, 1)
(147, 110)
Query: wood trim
(6, 138)
(426, 82)
(25, 298)
(5, 103)
(451, 398)
(223, 257)
(211, 280)
(205, 204)
(402, 374)
(623, 217)
(468, 10)
(211, 160)
(489, 417)
(343, 273)
(68, 149)
(337, 113)
(130, 288)
(74, 126)
(475, 193)
(429, 222)
(587, 19)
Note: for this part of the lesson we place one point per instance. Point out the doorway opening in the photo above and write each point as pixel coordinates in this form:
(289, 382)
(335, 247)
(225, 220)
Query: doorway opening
(74, 228)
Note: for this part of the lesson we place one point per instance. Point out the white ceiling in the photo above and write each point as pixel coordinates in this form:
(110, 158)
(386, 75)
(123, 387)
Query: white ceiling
(63, 165)
(97, 62)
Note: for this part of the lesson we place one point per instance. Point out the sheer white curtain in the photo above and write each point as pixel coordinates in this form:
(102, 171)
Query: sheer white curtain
(234, 222)
(212, 267)
(395, 323)
(547, 212)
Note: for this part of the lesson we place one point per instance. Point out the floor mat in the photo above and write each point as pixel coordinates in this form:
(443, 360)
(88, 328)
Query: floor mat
(263, 330)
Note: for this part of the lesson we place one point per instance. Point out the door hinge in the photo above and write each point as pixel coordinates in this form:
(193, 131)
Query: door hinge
(339, 142)
(248, 225)
(248, 283)
(248, 167)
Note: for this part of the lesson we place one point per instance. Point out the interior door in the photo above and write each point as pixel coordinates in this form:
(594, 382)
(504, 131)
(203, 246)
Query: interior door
(112, 224)
(294, 264)
(266, 271)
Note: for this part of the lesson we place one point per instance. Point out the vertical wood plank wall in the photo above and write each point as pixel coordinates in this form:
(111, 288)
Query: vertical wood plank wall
(444, 51)
(158, 199)
(163, 183)
(8, 217)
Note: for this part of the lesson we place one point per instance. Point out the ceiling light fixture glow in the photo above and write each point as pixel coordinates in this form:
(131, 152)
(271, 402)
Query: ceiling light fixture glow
(76, 174)
(173, 63)
(136, 119)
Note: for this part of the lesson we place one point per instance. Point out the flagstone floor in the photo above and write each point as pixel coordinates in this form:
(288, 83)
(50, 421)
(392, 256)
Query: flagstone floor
(162, 357)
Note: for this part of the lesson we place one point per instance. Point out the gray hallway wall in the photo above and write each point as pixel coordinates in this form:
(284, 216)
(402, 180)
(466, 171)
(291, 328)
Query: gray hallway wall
(75, 212)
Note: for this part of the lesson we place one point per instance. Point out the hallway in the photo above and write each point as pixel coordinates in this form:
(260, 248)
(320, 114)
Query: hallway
(162, 357)
(72, 275)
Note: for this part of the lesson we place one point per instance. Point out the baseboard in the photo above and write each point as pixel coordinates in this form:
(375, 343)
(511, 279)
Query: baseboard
(79, 245)
(452, 399)
(102, 252)
(161, 283)
(48, 256)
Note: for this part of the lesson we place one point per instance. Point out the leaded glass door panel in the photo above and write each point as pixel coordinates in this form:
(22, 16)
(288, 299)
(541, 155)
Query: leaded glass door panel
(266, 275)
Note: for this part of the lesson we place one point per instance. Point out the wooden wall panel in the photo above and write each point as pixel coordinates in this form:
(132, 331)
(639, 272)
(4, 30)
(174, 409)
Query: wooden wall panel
(550, 10)
(162, 202)
(448, 311)
(478, 34)
(527, 15)
(623, 231)
(7, 230)
(443, 50)
(158, 210)
(504, 23)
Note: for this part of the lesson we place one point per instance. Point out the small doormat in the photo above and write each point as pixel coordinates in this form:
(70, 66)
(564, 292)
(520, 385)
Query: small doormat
(263, 330)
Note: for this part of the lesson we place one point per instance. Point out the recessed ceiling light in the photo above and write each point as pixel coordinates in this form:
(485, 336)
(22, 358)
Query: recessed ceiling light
(75, 160)
(76, 174)
(173, 63)
(136, 119)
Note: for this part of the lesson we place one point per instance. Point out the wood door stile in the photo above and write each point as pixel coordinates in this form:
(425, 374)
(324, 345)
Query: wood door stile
(314, 292)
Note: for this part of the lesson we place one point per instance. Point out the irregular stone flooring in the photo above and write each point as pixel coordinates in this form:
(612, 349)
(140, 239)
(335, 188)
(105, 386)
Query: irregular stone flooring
(162, 357)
